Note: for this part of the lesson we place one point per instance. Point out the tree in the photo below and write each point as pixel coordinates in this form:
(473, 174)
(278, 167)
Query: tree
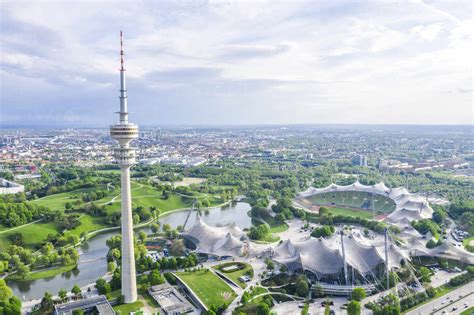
(5, 292)
(166, 228)
(324, 231)
(425, 274)
(78, 312)
(155, 278)
(245, 297)
(76, 290)
(430, 244)
(142, 236)
(62, 294)
(116, 254)
(136, 219)
(154, 228)
(439, 216)
(23, 270)
(323, 211)
(353, 308)
(263, 309)
(102, 286)
(111, 266)
(270, 264)
(47, 304)
(327, 309)
(358, 294)
(12, 306)
(302, 287)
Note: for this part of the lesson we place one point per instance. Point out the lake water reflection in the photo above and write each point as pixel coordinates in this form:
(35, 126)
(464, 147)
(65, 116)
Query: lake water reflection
(92, 263)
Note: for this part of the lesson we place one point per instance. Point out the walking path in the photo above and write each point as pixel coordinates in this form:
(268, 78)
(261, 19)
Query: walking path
(21, 226)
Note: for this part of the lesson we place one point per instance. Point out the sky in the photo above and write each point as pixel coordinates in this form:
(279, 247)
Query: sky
(237, 62)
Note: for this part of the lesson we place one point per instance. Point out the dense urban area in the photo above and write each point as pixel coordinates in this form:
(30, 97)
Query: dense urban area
(329, 219)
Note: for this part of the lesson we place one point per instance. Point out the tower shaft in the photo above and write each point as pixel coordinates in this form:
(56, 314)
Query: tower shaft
(129, 286)
(124, 132)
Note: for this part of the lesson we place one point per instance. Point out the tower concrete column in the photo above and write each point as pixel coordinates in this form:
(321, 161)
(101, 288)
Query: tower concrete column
(124, 132)
(129, 282)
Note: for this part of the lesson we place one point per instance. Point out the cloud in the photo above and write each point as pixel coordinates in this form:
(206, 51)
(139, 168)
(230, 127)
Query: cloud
(238, 61)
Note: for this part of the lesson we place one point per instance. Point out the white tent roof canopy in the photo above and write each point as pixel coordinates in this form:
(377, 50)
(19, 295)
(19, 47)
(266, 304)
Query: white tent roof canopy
(219, 241)
(325, 257)
(412, 206)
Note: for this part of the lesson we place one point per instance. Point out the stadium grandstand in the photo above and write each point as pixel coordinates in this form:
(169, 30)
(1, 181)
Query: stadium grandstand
(401, 204)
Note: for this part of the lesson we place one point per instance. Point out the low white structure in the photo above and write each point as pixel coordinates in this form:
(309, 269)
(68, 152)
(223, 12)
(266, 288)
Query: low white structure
(223, 241)
(170, 300)
(8, 187)
(408, 207)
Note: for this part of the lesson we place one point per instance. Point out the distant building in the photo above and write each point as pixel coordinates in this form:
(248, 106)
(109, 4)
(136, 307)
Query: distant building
(8, 187)
(184, 161)
(27, 176)
(170, 300)
(95, 305)
(359, 160)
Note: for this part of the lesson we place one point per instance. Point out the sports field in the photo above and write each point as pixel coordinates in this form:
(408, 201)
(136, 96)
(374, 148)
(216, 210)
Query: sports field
(365, 214)
(208, 287)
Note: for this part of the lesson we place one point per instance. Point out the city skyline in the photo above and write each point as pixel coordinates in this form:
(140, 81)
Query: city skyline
(200, 63)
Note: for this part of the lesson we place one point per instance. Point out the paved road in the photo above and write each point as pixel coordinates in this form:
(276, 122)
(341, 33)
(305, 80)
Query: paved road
(457, 307)
(315, 308)
(441, 302)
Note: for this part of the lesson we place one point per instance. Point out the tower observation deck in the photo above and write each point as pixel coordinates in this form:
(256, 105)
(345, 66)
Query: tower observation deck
(124, 132)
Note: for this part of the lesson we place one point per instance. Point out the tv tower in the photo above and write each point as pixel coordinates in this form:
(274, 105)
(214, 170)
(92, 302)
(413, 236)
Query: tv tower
(124, 132)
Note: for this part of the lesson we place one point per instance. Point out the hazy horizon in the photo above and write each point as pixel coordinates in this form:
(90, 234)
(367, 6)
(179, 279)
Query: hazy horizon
(237, 63)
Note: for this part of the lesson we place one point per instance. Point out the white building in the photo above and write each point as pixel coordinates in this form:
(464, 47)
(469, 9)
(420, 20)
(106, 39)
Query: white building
(8, 187)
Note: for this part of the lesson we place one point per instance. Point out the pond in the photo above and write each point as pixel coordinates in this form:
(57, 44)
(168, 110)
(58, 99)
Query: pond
(93, 264)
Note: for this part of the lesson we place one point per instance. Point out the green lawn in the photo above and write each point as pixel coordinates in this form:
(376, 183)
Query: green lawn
(113, 171)
(142, 196)
(125, 309)
(208, 287)
(32, 234)
(43, 273)
(147, 196)
(351, 212)
(275, 225)
(279, 228)
(58, 201)
(88, 224)
(270, 238)
(234, 276)
(469, 311)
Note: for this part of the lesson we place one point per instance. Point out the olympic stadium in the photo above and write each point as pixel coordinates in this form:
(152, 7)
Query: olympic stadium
(400, 205)
(352, 256)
